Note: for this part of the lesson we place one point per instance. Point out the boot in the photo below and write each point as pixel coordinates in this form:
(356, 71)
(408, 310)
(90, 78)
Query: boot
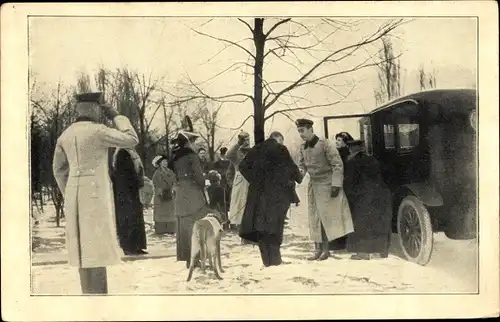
(325, 252)
(275, 254)
(265, 254)
(317, 252)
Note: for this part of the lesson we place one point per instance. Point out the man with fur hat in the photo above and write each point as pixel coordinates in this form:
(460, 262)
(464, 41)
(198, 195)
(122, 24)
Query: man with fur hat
(329, 214)
(80, 167)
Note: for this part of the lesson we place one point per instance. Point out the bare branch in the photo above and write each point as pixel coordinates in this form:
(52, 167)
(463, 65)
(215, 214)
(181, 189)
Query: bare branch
(202, 95)
(276, 26)
(232, 68)
(226, 46)
(385, 29)
(238, 127)
(223, 40)
(246, 23)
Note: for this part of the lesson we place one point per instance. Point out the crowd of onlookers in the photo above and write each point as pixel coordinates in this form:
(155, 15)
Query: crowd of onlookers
(252, 187)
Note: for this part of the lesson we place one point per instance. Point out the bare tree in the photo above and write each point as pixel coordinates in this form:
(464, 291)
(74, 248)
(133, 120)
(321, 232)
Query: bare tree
(53, 115)
(389, 74)
(427, 80)
(134, 94)
(289, 43)
(208, 119)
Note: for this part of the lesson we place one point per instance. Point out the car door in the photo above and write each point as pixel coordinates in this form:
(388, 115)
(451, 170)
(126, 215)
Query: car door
(401, 143)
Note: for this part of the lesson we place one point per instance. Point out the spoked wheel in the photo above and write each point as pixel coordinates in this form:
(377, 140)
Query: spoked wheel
(415, 230)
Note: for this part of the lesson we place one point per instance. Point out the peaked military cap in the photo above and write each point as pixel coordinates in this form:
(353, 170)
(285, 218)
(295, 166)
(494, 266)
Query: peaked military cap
(95, 97)
(303, 122)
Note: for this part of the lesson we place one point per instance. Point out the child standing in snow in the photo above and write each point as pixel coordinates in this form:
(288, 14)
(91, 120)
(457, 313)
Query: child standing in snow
(217, 195)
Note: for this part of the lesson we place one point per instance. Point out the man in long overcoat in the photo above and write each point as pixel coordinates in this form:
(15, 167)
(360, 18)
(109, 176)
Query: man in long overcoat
(329, 214)
(80, 167)
(272, 174)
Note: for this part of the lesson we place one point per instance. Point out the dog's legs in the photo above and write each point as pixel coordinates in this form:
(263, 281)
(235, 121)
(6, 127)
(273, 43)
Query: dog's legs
(203, 257)
(210, 260)
(191, 265)
(219, 261)
(216, 270)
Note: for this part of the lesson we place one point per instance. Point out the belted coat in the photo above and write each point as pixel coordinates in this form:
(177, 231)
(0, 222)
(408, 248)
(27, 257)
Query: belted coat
(80, 167)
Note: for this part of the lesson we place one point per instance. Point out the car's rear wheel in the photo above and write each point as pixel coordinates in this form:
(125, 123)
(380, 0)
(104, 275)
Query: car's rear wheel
(415, 230)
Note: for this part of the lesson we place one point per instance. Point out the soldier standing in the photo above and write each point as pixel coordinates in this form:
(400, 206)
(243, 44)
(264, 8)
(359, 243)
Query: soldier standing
(81, 170)
(329, 214)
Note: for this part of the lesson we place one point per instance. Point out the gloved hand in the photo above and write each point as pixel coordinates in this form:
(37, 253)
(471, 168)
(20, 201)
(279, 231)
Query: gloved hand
(335, 192)
(109, 111)
(242, 137)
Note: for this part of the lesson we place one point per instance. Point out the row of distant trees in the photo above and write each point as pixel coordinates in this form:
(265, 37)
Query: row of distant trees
(144, 100)
(389, 75)
(283, 44)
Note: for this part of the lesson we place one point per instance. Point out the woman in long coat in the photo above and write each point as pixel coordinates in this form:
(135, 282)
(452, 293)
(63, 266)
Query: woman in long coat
(370, 202)
(163, 202)
(190, 201)
(341, 140)
(127, 178)
(239, 190)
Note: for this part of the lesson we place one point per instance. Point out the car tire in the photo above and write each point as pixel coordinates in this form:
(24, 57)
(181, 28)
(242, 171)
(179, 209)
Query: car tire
(415, 230)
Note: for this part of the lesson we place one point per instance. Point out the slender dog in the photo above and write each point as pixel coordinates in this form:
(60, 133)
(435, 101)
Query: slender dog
(205, 243)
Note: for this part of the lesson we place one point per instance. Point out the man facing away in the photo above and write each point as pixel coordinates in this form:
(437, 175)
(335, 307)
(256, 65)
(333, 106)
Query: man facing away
(271, 173)
(329, 214)
(80, 167)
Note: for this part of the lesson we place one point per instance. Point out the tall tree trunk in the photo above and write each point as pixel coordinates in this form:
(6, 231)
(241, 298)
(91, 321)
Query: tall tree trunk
(259, 41)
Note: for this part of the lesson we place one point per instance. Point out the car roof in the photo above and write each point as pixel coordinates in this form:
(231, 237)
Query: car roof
(453, 100)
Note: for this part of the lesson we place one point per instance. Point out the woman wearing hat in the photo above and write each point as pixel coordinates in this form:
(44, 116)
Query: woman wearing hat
(190, 202)
(370, 202)
(341, 140)
(163, 211)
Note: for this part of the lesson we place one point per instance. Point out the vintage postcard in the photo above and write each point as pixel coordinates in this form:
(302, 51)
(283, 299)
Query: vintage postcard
(200, 161)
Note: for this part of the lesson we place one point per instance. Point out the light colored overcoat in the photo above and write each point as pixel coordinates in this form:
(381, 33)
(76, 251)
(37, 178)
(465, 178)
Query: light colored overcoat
(325, 168)
(80, 167)
(239, 190)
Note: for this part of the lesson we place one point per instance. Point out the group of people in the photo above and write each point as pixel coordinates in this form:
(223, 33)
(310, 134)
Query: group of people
(349, 205)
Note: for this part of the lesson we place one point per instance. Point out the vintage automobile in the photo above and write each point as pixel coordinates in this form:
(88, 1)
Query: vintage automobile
(426, 146)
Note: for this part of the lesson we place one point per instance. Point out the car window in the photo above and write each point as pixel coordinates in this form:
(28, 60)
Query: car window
(408, 135)
(389, 137)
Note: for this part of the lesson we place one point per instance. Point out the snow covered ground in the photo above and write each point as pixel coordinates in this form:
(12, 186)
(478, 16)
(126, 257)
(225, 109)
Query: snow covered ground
(453, 268)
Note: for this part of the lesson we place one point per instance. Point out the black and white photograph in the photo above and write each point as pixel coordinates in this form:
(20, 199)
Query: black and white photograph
(255, 154)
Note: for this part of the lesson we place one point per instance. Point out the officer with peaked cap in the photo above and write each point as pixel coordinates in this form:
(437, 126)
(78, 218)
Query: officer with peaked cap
(80, 167)
(329, 214)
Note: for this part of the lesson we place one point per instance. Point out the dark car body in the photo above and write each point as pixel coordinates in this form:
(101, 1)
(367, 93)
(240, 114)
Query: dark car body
(426, 145)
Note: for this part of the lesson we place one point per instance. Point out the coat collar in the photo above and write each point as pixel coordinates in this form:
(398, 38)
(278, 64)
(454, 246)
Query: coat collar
(179, 153)
(311, 143)
(85, 119)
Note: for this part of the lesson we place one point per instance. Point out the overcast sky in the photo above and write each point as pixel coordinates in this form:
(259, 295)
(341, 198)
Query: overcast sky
(60, 48)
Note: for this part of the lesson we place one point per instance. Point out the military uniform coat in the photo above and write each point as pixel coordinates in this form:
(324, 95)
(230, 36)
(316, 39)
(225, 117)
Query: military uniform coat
(322, 161)
(272, 174)
(80, 167)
